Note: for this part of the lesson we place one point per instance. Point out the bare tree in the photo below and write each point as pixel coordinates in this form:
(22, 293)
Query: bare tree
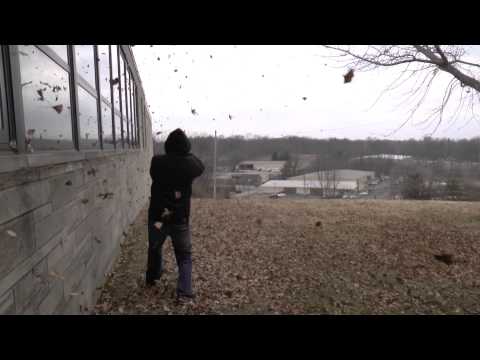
(327, 176)
(422, 64)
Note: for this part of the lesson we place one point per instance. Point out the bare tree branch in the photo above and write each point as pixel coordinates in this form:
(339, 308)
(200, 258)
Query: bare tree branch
(447, 58)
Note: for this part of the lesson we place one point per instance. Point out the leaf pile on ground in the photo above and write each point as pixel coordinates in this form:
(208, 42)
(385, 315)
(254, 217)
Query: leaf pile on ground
(281, 256)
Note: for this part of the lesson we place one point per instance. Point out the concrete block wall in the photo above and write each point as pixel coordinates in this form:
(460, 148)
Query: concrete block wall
(61, 227)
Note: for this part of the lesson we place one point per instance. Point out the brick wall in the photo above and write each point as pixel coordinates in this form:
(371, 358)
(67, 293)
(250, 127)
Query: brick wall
(61, 227)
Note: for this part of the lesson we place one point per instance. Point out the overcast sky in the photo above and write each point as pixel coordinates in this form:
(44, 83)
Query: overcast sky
(262, 89)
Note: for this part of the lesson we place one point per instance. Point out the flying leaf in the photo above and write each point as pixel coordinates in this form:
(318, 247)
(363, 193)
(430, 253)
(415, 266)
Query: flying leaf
(348, 76)
(12, 233)
(58, 108)
(40, 93)
(445, 258)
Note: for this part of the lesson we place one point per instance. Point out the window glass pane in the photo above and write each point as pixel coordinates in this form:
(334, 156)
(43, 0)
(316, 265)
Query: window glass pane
(134, 121)
(88, 120)
(104, 71)
(135, 113)
(133, 116)
(125, 129)
(3, 126)
(139, 120)
(84, 60)
(115, 77)
(107, 132)
(46, 101)
(3, 122)
(118, 131)
(60, 50)
(144, 122)
(129, 89)
(130, 108)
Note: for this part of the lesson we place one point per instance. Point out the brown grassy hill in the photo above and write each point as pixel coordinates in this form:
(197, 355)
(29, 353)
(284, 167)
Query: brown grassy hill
(337, 257)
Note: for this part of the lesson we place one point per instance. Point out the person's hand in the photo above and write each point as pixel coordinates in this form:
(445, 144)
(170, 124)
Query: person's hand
(158, 225)
(166, 215)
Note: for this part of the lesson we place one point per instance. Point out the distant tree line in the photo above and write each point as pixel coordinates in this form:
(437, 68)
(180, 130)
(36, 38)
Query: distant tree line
(241, 148)
(434, 158)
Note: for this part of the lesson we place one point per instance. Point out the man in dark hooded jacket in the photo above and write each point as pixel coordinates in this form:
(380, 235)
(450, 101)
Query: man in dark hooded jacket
(172, 177)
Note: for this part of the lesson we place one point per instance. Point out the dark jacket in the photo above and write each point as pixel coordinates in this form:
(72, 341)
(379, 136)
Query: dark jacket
(172, 177)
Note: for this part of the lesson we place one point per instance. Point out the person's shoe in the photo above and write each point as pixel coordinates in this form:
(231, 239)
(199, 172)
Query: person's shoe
(186, 300)
(150, 283)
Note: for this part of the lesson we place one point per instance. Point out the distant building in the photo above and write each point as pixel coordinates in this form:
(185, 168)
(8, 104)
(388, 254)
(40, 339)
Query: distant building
(272, 167)
(252, 178)
(311, 187)
(249, 175)
(384, 156)
(339, 174)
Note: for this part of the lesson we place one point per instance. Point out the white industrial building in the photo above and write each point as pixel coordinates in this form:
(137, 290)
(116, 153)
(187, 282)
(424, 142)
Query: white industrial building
(307, 187)
(337, 174)
(274, 167)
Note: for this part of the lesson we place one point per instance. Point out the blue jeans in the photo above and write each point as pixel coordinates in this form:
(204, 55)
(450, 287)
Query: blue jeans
(182, 244)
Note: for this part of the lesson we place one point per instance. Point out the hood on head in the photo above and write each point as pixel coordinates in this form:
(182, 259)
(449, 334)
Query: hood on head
(177, 143)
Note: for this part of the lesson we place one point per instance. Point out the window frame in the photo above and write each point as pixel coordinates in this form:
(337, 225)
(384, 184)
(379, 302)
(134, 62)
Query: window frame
(122, 101)
(127, 115)
(87, 87)
(106, 101)
(135, 117)
(16, 97)
(5, 131)
(130, 99)
(13, 114)
(118, 138)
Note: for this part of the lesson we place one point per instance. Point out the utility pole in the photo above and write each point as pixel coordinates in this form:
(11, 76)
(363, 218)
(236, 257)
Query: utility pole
(215, 166)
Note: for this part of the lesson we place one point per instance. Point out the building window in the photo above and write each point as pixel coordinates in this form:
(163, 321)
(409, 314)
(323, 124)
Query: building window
(130, 108)
(117, 105)
(3, 106)
(107, 132)
(125, 127)
(144, 121)
(60, 50)
(88, 120)
(134, 117)
(46, 101)
(85, 63)
(118, 129)
(87, 97)
(105, 85)
(104, 72)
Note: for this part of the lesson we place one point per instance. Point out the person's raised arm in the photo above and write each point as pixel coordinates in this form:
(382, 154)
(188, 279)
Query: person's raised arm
(195, 166)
